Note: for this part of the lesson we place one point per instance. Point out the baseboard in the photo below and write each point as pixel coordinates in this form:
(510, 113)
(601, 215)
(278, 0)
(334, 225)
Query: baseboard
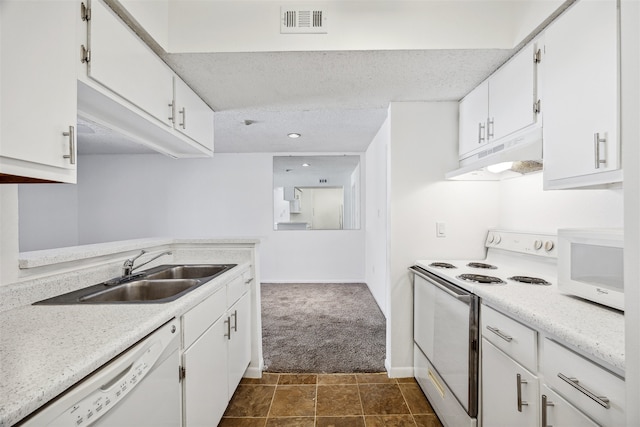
(402, 372)
(254, 371)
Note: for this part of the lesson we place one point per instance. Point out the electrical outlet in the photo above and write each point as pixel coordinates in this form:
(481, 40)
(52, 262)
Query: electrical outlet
(441, 229)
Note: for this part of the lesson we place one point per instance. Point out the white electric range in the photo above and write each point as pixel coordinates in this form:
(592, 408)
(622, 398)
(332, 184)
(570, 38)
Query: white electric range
(447, 315)
(512, 257)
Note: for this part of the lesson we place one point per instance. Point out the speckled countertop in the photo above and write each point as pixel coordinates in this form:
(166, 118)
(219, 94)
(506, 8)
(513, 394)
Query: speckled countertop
(46, 349)
(594, 330)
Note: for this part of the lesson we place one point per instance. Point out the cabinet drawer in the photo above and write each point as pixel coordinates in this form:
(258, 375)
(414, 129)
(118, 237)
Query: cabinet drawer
(200, 317)
(237, 287)
(510, 336)
(584, 384)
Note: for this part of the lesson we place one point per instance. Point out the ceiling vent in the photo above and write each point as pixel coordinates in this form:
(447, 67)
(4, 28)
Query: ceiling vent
(303, 20)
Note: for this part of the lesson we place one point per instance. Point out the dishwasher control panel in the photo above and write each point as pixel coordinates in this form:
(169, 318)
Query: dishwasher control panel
(92, 398)
(93, 406)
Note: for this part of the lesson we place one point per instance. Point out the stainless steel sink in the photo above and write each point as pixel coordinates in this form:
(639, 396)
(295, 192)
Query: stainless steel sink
(157, 285)
(143, 290)
(187, 272)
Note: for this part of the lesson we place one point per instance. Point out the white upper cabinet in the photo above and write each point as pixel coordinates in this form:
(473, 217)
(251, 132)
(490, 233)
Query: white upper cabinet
(501, 105)
(580, 96)
(38, 85)
(512, 95)
(123, 85)
(191, 115)
(474, 110)
(121, 62)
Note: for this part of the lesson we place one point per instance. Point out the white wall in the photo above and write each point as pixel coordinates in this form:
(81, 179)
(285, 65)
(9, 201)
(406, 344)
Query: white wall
(630, 135)
(376, 208)
(423, 147)
(8, 233)
(525, 206)
(53, 220)
(231, 26)
(129, 196)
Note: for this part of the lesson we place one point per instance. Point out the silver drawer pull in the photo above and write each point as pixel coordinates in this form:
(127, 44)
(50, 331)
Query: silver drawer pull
(228, 323)
(545, 402)
(573, 382)
(519, 382)
(499, 333)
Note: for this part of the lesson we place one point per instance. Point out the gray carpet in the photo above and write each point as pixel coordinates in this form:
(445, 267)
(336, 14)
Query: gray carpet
(323, 328)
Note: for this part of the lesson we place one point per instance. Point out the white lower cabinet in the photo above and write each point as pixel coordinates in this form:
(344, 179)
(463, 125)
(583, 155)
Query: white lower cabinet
(592, 389)
(217, 352)
(555, 411)
(564, 389)
(239, 341)
(509, 391)
(205, 389)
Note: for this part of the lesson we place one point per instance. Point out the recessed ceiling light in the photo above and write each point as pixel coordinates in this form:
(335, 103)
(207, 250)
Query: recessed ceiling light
(306, 165)
(294, 135)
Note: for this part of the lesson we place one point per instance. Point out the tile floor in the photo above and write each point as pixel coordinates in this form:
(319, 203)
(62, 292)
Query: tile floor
(329, 400)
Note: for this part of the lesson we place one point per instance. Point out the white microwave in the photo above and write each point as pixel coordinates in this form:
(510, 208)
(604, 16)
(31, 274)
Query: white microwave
(590, 265)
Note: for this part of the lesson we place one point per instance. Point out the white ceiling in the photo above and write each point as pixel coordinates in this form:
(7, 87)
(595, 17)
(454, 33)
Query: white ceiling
(336, 100)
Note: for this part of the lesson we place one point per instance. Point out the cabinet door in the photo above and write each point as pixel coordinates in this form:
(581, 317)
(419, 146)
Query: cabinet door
(558, 412)
(122, 62)
(39, 95)
(473, 120)
(205, 390)
(580, 100)
(512, 94)
(503, 381)
(240, 342)
(192, 116)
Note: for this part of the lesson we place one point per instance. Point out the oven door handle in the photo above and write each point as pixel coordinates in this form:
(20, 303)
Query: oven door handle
(457, 293)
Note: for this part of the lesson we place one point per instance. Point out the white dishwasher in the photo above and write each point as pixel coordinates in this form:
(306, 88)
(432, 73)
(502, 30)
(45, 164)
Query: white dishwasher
(138, 388)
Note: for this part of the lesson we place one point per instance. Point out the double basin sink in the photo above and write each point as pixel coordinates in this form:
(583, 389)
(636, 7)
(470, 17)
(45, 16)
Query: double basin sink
(161, 284)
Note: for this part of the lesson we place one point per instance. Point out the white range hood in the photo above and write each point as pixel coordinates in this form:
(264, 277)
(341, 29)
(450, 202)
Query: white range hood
(512, 156)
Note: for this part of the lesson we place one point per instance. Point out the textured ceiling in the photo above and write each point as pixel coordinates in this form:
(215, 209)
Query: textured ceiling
(337, 100)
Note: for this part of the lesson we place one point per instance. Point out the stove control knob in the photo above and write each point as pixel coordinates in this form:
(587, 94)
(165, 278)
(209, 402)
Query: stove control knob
(537, 245)
(497, 239)
(549, 245)
(490, 238)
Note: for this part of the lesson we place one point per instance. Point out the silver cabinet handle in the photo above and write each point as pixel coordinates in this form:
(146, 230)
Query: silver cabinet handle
(573, 382)
(490, 128)
(235, 320)
(172, 114)
(519, 382)
(72, 145)
(596, 149)
(183, 111)
(480, 132)
(499, 333)
(545, 403)
(228, 323)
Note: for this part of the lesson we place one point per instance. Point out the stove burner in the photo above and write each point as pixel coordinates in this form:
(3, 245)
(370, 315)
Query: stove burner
(481, 265)
(530, 280)
(442, 265)
(480, 278)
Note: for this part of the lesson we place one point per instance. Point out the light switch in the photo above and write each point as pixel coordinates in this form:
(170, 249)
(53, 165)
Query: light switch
(441, 229)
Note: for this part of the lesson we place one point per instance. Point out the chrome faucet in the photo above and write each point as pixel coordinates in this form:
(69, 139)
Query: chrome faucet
(127, 267)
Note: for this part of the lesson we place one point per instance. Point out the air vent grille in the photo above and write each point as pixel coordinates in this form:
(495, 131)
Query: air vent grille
(303, 20)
